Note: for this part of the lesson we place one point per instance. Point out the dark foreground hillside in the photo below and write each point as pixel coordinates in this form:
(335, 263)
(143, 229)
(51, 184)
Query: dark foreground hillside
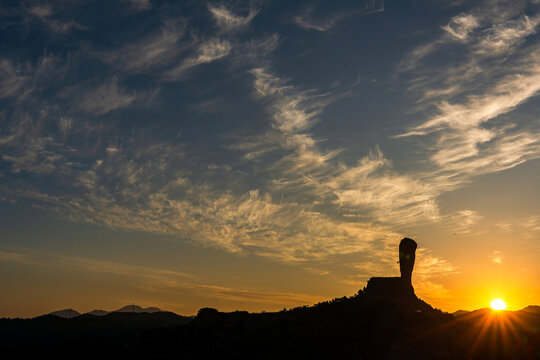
(369, 325)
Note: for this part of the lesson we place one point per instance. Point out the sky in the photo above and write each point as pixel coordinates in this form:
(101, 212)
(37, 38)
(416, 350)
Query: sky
(260, 155)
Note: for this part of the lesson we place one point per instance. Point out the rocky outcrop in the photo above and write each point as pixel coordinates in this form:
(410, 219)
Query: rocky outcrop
(396, 287)
(407, 250)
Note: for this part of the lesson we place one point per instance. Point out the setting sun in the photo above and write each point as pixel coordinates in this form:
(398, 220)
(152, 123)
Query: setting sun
(498, 304)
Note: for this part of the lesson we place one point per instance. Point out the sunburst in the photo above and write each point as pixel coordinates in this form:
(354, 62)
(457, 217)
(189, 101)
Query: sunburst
(498, 304)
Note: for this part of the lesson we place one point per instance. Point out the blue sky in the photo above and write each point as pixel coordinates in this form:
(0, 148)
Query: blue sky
(263, 154)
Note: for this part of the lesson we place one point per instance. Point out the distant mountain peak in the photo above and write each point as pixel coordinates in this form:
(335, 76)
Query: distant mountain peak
(459, 313)
(65, 313)
(98, 312)
(137, 309)
(70, 313)
(532, 308)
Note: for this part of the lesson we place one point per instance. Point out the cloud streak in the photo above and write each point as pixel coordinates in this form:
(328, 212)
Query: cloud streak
(205, 52)
(461, 26)
(45, 13)
(370, 187)
(109, 97)
(467, 134)
(155, 50)
(307, 21)
(227, 21)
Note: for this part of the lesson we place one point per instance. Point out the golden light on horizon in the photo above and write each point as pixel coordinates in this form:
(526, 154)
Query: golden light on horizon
(498, 304)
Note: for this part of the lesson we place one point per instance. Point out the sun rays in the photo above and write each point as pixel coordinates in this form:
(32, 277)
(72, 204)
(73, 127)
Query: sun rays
(494, 330)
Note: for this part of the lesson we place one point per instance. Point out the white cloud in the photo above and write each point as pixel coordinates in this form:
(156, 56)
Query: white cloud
(427, 276)
(370, 187)
(532, 223)
(154, 50)
(12, 79)
(20, 80)
(227, 21)
(41, 11)
(461, 26)
(45, 13)
(206, 52)
(148, 188)
(484, 33)
(250, 223)
(65, 124)
(306, 20)
(462, 221)
(497, 257)
(501, 38)
(469, 139)
(25, 148)
(109, 97)
(293, 112)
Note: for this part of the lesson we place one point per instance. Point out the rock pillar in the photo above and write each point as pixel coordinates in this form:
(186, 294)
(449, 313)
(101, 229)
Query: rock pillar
(407, 250)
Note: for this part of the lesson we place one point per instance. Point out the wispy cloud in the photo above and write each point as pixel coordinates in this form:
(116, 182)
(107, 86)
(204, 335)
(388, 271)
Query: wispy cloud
(412, 59)
(493, 79)
(158, 194)
(11, 79)
(497, 257)
(45, 13)
(485, 34)
(227, 21)
(308, 21)
(25, 148)
(428, 275)
(370, 187)
(41, 11)
(532, 223)
(461, 26)
(206, 52)
(18, 80)
(465, 145)
(462, 220)
(109, 97)
(501, 38)
(157, 49)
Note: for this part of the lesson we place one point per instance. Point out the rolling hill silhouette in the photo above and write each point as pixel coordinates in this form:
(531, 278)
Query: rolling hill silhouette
(65, 313)
(97, 312)
(137, 309)
(385, 320)
(533, 308)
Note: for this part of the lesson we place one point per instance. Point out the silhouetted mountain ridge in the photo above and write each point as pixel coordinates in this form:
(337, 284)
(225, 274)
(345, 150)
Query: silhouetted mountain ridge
(97, 312)
(532, 308)
(65, 313)
(69, 313)
(137, 309)
(459, 313)
(385, 320)
(364, 326)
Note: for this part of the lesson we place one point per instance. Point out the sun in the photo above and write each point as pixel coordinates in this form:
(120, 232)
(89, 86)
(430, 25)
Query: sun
(498, 304)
